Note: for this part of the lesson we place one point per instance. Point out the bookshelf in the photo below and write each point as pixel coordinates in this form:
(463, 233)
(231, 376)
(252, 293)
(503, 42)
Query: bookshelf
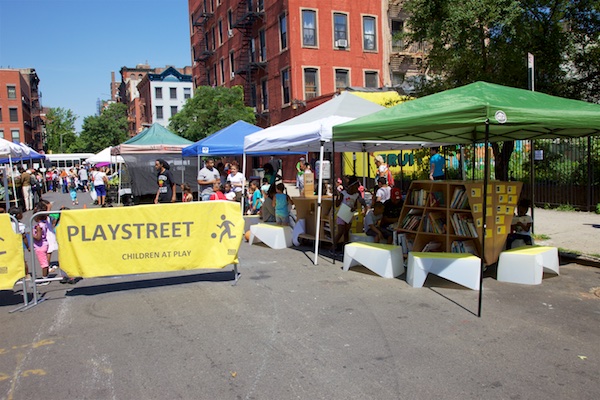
(306, 208)
(447, 216)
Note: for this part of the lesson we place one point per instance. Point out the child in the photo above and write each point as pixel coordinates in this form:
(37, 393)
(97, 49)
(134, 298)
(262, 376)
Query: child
(350, 196)
(218, 192)
(229, 194)
(187, 196)
(40, 242)
(73, 189)
(267, 211)
(372, 224)
(521, 225)
(257, 198)
(281, 201)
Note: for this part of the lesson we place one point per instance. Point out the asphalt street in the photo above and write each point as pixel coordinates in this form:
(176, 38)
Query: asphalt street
(290, 329)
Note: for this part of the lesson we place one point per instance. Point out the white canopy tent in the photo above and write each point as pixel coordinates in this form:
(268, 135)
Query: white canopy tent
(312, 131)
(9, 151)
(105, 157)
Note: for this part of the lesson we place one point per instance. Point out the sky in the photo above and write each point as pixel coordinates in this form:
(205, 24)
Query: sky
(74, 45)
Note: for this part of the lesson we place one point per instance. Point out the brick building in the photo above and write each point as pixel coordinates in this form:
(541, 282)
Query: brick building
(128, 93)
(20, 107)
(287, 53)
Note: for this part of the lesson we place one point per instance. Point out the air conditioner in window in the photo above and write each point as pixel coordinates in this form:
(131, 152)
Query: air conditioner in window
(230, 32)
(232, 75)
(254, 108)
(341, 43)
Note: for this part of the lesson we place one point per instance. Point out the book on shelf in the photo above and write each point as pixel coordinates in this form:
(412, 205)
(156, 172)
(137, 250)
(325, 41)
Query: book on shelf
(435, 223)
(460, 200)
(436, 199)
(411, 220)
(463, 246)
(463, 225)
(419, 197)
(431, 246)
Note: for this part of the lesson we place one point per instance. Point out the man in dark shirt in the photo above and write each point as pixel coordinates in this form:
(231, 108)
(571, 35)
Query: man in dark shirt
(392, 208)
(166, 185)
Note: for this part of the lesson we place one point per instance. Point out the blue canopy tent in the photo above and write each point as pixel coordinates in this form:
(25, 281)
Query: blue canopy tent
(226, 142)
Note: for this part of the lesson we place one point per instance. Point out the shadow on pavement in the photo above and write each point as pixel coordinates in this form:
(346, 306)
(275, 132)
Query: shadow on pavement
(222, 276)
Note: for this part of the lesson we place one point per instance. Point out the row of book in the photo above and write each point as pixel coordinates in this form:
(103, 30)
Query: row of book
(418, 197)
(435, 222)
(463, 225)
(412, 220)
(460, 200)
(463, 246)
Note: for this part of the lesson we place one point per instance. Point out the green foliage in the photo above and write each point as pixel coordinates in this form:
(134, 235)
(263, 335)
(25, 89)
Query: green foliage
(598, 208)
(540, 236)
(60, 127)
(100, 132)
(565, 207)
(210, 110)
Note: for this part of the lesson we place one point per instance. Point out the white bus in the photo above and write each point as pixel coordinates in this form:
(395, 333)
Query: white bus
(66, 160)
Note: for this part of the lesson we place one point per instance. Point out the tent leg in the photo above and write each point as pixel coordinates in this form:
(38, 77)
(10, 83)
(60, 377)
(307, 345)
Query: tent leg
(485, 184)
(236, 275)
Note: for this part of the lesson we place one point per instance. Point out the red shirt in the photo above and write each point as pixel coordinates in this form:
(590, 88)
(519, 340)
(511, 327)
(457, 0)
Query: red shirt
(217, 196)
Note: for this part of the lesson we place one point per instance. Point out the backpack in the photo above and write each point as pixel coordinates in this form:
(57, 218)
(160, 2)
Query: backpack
(35, 184)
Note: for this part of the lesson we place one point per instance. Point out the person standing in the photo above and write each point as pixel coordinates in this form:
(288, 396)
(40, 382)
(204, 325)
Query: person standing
(383, 192)
(207, 177)
(100, 182)
(237, 180)
(83, 178)
(166, 192)
(437, 162)
(299, 171)
(26, 188)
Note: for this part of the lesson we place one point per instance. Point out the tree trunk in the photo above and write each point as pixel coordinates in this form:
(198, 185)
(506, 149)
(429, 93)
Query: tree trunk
(502, 152)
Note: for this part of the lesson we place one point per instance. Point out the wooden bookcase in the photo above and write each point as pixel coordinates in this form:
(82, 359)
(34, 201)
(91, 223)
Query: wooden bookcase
(447, 216)
(306, 208)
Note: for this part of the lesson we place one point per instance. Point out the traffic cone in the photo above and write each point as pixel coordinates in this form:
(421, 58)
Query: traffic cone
(85, 206)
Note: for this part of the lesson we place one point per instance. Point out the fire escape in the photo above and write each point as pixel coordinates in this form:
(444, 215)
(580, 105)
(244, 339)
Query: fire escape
(202, 43)
(250, 59)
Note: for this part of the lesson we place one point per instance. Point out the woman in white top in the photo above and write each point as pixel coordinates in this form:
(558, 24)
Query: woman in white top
(237, 181)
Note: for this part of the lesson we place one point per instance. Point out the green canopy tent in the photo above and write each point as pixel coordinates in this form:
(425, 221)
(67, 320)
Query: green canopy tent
(479, 112)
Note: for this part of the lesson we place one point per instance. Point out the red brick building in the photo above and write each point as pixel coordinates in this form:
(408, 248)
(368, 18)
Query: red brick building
(285, 53)
(20, 107)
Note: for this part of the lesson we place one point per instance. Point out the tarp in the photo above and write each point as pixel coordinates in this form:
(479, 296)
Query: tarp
(227, 141)
(13, 152)
(105, 157)
(459, 116)
(156, 139)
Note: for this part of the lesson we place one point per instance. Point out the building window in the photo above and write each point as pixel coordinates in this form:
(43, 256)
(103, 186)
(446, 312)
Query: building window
(263, 46)
(173, 111)
(229, 19)
(1, 119)
(215, 73)
(340, 30)
(283, 31)
(173, 93)
(369, 33)
(158, 92)
(397, 29)
(187, 93)
(341, 79)
(252, 50)
(285, 85)
(208, 77)
(232, 63)
(265, 94)
(222, 68)
(13, 115)
(253, 95)
(311, 83)
(371, 79)
(159, 112)
(309, 28)
(16, 137)
(261, 5)
(220, 32)
(11, 91)
(2, 134)
(214, 38)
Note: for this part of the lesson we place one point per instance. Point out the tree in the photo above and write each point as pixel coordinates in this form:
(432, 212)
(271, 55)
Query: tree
(210, 110)
(488, 40)
(107, 129)
(60, 129)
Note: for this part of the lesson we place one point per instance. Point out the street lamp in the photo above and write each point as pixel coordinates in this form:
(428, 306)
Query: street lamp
(61, 135)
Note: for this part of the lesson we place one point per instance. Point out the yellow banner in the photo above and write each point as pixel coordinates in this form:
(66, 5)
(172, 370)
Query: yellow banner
(149, 238)
(12, 263)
